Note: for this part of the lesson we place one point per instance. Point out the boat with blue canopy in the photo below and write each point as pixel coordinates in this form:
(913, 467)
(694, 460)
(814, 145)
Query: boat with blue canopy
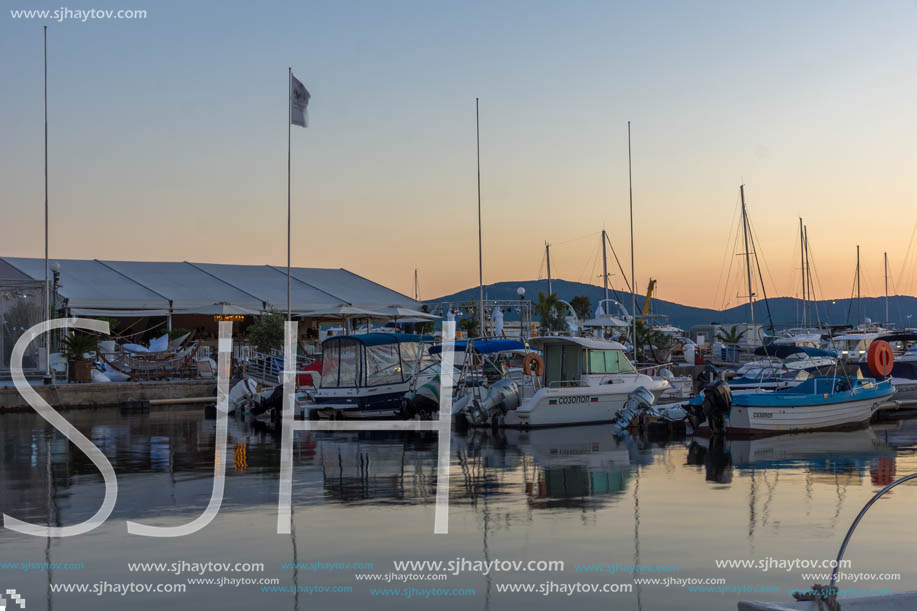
(365, 376)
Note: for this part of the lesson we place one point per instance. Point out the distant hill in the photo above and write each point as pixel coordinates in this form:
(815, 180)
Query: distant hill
(784, 310)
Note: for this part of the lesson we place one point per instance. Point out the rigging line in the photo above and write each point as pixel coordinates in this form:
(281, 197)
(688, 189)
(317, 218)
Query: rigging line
(814, 268)
(732, 259)
(716, 291)
(907, 253)
(623, 275)
(853, 289)
(589, 271)
(754, 245)
(576, 239)
(767, 304)
(817, 282)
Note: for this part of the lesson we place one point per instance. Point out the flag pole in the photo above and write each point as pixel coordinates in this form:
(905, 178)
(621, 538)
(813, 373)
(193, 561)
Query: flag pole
(48, 378)
(289, 123)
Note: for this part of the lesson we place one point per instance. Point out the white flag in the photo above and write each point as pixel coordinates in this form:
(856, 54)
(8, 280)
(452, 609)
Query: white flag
(299, 103)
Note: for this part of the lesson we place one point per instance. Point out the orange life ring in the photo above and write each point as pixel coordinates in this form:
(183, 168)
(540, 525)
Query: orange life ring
(880, 358)
(532, 361)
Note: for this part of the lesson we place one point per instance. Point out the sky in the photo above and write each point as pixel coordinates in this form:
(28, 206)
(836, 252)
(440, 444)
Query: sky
(167, 138)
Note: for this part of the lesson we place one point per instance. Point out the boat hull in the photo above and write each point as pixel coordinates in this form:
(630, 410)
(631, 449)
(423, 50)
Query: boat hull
(834, 416)
(577, 405)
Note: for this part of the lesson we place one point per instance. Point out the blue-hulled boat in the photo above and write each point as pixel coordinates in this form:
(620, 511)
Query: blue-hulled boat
(819, 403)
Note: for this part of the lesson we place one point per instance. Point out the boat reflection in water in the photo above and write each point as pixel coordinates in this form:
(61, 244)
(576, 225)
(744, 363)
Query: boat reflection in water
(825, 456)
(563, 467)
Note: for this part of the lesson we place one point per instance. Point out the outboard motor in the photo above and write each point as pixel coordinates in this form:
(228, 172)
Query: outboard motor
(501, 397)
(638, 402)
(717, 401)
(705, 378)
(274, 401)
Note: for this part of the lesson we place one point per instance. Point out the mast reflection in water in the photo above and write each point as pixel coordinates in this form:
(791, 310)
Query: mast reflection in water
(574, 494)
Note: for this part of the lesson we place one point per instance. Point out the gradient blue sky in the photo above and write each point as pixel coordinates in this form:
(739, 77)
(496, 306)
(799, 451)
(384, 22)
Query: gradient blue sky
(168, 137)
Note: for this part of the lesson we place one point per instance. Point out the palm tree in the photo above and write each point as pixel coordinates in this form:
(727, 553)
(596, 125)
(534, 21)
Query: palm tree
(648, 336)
(549, 311)
(469, 326)
(733, 337)
(582, 306)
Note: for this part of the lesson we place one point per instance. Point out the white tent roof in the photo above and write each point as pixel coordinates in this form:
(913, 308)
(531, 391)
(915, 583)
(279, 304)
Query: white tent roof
(89, 284)
(186, 287)
(350, 288)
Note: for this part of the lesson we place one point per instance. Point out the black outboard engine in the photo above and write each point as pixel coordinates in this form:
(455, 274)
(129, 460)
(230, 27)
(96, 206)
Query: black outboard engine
(274, 401)
(705, 378)
(717, 401)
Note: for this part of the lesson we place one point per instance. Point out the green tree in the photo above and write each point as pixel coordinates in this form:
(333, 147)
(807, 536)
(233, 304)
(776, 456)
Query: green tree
(550, 312)
(650, 339)
(582, 305)
(732, 337)
(469, 325)
(266, 333)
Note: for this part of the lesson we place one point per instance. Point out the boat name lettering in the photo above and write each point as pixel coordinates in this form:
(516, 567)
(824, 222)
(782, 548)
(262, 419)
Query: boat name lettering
(577, 399)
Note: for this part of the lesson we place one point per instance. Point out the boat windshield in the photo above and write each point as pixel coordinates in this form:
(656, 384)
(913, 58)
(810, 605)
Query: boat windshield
(609, 361)
(383, 365)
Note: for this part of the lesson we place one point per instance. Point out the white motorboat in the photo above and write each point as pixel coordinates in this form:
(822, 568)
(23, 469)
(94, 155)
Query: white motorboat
(581, 381)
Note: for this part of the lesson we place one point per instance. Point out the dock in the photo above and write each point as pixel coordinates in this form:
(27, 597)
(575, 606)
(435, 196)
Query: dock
(109, 394)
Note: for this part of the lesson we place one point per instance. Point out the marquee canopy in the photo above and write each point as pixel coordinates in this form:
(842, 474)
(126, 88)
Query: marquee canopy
(147, 288)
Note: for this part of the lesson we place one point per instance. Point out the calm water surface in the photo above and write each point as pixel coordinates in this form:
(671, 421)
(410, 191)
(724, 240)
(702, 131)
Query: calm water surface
(575, 495)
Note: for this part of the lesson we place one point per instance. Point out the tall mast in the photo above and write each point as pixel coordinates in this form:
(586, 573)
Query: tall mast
(477, 125)
(604, 268)
(416, 286)
(802, 266)
(859, 308)
(886, 286)
(47, 278)
(547, 250)
(809, 285)
(751, 296)
(633, 284)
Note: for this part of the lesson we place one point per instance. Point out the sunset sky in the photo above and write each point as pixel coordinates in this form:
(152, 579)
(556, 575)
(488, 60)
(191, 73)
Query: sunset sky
(168, 138)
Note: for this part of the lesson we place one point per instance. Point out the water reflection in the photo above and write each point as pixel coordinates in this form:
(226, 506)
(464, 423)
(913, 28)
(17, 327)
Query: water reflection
(646, 500)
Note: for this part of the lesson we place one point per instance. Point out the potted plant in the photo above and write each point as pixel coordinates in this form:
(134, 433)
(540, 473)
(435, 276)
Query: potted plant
(74, 348)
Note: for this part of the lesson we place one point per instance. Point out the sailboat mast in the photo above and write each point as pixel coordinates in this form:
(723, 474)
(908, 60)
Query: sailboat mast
(886, 286)
(604, 268)
(809, 285)
(751, 297)
(859, 308)
(633, 283)
(802, 266)
(477, 130)
(416, 286)
(547, 250)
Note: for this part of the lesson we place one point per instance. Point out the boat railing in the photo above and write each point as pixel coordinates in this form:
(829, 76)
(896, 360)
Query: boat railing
(652, 370)
(568, 384)
(267, 368)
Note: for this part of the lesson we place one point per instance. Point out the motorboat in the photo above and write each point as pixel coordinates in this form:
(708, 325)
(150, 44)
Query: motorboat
(578, 380)
(784, 365)
(366, 376)
(818, 403)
